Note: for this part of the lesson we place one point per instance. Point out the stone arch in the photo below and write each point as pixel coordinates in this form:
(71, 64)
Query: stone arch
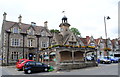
(65, 56)
(89, 53)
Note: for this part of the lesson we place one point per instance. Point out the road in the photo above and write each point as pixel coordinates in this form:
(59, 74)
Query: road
(102, 69)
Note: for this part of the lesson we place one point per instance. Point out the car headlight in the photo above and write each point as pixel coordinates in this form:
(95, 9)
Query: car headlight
(48, 65)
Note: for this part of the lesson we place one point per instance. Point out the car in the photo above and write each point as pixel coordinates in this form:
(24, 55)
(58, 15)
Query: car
(104, 60)
(33, 66)
(114, 59)
(20, 65)
(88, 58)
(19, 60)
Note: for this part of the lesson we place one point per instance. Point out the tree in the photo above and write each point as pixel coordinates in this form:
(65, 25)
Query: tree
(75, 31)
(54, 31)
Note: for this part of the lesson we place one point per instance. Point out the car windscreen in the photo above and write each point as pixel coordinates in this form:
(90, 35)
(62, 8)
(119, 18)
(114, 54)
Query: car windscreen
(21, 61)
(38, 63)
(31, 63)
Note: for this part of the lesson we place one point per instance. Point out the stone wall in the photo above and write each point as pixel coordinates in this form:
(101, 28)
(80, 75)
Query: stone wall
(70, 66)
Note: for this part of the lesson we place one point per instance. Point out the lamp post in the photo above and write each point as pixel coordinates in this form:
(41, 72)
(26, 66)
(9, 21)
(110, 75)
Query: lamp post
(37, 55)
(106, 18)
(8, 32)
(23, 34)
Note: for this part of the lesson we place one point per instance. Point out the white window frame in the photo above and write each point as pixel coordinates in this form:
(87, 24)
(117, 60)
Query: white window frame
(44, 44)
(15, 42)
(31, 31)
(43, 33)
(15, 30)
(14, 55)
(30, 42)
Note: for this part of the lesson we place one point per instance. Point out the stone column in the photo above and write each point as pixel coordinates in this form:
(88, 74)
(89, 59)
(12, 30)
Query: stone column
(57, 62)
(96, 55)
(85, 56)
(73, 57)
(48, 56)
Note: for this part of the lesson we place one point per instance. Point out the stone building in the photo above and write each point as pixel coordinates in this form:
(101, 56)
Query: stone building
(20, 40)
(70, 51)
(66, 37)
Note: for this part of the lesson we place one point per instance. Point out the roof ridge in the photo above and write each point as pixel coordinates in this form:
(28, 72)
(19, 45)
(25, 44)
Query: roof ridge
(22, 23)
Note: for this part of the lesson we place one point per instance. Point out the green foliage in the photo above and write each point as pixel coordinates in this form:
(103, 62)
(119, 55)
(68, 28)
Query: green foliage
(75, 31)
(54, 31)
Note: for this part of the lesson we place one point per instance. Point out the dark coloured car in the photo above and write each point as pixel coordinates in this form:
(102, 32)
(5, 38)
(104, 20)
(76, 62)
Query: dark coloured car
(32, 66)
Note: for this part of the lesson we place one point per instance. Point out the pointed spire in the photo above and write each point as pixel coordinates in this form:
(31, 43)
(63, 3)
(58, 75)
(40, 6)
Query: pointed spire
(4, 16)
(20, 18)
(64, 19)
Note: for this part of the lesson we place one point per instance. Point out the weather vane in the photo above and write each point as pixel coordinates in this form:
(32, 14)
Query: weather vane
(63, 12)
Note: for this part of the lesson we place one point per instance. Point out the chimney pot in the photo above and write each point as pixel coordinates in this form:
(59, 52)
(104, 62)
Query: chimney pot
(4, 16)
(33, 23)
(45, 24)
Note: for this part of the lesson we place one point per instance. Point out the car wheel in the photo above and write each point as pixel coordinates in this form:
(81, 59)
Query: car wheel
(29, 71)
(103, 62)
(46, 69)
(112, 61)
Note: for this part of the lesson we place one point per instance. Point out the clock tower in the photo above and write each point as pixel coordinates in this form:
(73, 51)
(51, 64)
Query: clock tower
(64, 26)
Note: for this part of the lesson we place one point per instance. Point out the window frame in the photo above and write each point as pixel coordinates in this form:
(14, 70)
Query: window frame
(16, 30)
(15, 42)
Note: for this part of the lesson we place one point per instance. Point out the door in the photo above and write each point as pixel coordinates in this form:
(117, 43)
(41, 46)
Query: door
(30, 56)
(39, 66)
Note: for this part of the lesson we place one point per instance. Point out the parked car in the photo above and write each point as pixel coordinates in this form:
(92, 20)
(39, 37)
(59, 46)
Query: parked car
(19, 60)
(32, 66)
(114, 59)
(20, 65)
(104, 60)
(88, 58)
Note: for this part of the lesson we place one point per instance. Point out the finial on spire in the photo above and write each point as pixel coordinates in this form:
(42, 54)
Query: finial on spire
(4, 16)
(63, 12)
(20, 18)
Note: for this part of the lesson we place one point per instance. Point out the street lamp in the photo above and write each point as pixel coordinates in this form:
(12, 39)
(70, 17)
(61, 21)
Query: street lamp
(37, 56)
(8, 32)
(24, 34)
(106, 18)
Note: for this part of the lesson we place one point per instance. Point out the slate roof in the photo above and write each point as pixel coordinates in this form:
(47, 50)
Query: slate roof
(24, 27)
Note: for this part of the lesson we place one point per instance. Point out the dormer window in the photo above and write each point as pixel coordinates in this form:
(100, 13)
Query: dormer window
(31, 31)
(43, 33)
(15, 30)
(92, 44)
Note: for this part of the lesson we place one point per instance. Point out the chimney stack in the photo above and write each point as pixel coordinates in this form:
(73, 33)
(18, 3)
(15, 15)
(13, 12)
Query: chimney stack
(20, 18)
(4, 16)
(45, 24)
(33, 23)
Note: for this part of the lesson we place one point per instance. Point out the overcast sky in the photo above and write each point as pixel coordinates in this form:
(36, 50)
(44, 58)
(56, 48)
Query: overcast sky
(85, 15)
